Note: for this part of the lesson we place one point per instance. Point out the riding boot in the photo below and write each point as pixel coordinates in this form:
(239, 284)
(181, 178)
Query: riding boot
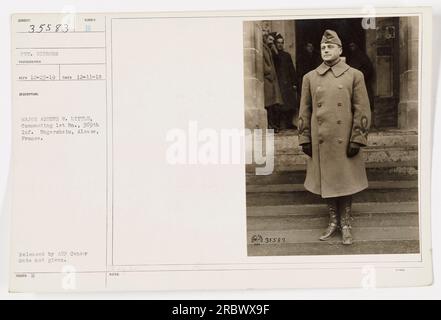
(345, 205)
(272, 117)
(333, 219)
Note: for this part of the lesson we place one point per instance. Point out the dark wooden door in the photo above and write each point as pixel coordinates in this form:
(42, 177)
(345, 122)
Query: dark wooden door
(387, 82)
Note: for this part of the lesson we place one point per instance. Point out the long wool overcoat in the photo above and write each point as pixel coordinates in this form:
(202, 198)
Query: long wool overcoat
(334, 111)
(287, 76)
(271, 88)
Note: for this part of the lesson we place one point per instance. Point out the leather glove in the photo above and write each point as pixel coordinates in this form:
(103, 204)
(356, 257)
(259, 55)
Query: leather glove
(307, 149)
(353, 149)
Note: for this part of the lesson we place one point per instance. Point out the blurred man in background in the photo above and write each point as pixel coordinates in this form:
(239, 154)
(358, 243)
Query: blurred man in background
(308, 60)
(287, 76)
(272, 95)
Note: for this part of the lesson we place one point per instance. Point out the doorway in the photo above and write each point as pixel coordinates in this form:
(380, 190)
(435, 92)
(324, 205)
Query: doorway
(349, 30)
(380, 46)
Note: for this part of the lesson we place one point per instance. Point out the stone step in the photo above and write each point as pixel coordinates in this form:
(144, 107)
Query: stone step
(391, 149)
(391, 138)
(289, 143)
(396, 219)
(370, 156)
(297, 217)
(305, 197)
(320, 210)
(296, 150)
(293, 187)
(312, 235)
(336, 248)
(287, 163)
(373, 174)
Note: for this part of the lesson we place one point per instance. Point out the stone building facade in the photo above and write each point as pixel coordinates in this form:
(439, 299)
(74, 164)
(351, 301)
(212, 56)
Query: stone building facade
(392, 47)
(386, 214)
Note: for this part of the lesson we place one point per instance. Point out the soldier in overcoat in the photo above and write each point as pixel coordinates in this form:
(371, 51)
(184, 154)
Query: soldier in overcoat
(272, 95)
(287, 75)
(334, 120)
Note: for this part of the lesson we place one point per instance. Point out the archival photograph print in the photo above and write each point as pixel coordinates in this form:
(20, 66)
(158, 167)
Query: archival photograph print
(339, 99)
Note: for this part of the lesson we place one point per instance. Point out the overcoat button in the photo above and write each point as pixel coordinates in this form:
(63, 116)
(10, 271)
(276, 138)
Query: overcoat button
(338, 121)
(340, 86)
(339, 104)
(320, 141)
(319, 105)
(340, 140)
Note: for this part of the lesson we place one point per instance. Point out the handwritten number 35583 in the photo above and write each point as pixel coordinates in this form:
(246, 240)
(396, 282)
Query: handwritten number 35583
(48, 28)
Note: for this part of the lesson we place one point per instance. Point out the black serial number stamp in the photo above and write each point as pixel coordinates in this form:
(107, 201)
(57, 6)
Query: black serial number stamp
(259, 239)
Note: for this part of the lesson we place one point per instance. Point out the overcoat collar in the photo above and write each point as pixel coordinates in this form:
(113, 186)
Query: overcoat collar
(337, 69)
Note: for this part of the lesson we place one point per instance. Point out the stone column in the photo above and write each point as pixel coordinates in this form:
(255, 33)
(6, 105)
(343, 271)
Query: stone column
(371, 51)
(408, 105)
(255, 113)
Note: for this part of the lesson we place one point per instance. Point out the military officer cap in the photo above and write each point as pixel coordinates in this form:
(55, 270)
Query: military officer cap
(330, 36)
(277, 35)
(272, 34)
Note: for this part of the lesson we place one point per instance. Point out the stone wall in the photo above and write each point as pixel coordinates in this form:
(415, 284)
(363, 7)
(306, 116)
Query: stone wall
(408, 106)
(255, 113)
